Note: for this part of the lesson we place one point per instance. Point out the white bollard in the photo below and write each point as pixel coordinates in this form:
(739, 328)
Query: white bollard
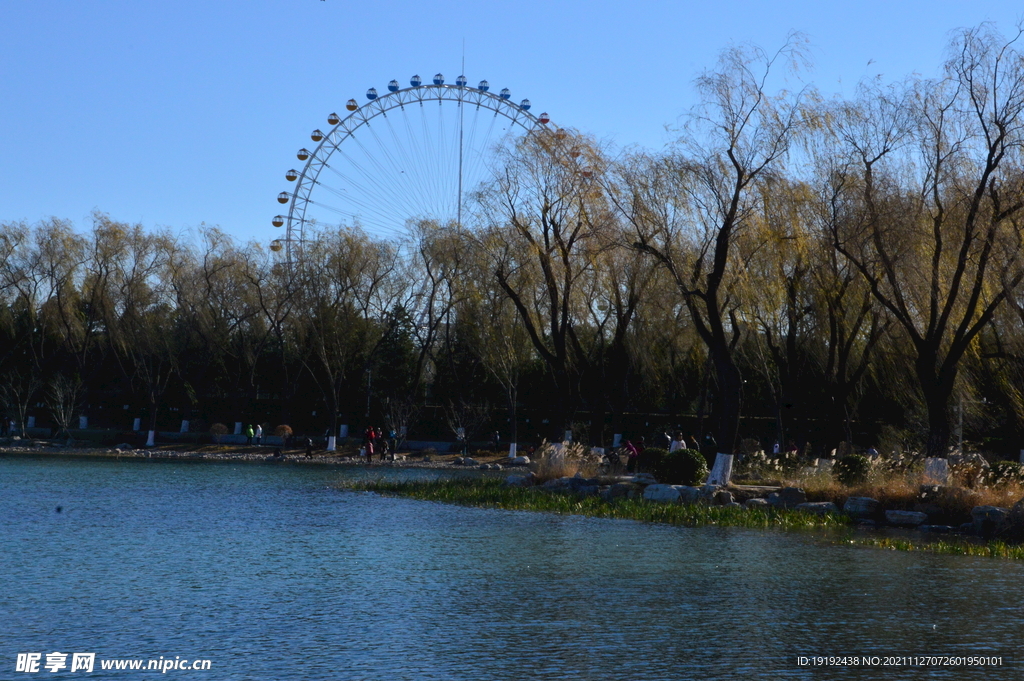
(617, 440)
(83, 422)
(238, 427)
(568, 436)
(512, 450)
(331, 445)
(151, 440)
(137, 425)
(343, 430)
(31, 422)
(722, 471)
(184, 426)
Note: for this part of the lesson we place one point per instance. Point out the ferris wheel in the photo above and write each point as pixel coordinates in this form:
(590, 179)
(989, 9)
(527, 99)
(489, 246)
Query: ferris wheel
(411, 154)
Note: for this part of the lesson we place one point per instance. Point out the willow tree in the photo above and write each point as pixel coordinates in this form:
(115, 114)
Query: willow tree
(689, 207)
(548, 218)
(930, 184)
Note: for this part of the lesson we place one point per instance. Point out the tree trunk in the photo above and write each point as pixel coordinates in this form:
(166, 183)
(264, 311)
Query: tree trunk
(730, 397)
(937, 385)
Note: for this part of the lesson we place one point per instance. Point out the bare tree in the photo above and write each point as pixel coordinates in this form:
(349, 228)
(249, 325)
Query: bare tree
(934, 195)
(689, 209)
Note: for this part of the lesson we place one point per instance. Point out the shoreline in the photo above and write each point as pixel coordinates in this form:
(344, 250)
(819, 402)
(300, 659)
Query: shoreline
(241, 454)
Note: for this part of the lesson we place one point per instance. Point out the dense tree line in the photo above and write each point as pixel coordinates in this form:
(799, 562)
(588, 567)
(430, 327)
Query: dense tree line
(842, 270)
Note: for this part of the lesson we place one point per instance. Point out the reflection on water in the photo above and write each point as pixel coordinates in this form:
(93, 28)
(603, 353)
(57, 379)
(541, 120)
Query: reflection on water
(273, 573)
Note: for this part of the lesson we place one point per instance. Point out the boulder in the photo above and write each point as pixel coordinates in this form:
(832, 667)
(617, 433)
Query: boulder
(469, 462)
(988, 519)
(723, 498)
(787, 497)
(662, 493)
(861, 507)
(688, 495)
(930, 509)
(756, 503)
(644, 479)
(122, 447)
(458, 461)
(707, 493)
(905, 518)
(622, 490)
(817, 507)
(485, 466)
(733, 504)
(936, 471)
(520, 461)
(936, 529)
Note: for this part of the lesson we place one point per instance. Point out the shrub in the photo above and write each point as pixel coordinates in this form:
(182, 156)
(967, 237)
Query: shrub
(1003, 473)
(682, 467)
(852, 469)
(283, 431)
(650, 459)
(218, 430)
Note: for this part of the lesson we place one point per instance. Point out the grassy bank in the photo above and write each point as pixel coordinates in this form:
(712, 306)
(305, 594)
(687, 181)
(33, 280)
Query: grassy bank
(492, 493)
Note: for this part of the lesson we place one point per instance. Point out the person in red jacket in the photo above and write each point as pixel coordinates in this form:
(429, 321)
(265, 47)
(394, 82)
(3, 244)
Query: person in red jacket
(370, 437)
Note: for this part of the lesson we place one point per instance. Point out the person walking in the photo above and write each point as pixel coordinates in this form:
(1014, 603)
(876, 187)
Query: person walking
(370, 436)
(259, 434)
(248, 434)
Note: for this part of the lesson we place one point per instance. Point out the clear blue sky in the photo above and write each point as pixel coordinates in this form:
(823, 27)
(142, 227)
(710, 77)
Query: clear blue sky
(178, 113)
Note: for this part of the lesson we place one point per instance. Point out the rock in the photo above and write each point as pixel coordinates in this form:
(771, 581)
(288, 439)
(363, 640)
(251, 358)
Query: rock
(723, 498)
(426, 458)
(787, 497)
(662, 493)
(935, 529)
(967, 528)
(521, 480)
(557, 483)
(485, 466)
(970, 458)
(936, 471)
(865, 522)
(733, 504)
(688, 495)
(520, 461)
(905, 518)
(121, 447)
(817, 507)
(622, 490)
(469, 462)
(495, 466)
(644, 479)
(588, 490)
(861, 507)
(458, 461)
(988, 519)
(756, 503)
(929, 509)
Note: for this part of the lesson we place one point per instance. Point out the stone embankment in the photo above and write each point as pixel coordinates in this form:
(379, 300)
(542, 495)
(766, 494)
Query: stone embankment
(927, 516)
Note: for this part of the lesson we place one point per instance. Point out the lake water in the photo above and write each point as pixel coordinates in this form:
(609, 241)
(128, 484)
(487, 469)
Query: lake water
(271, 572)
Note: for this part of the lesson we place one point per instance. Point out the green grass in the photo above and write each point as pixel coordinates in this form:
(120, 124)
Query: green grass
(992, 549)
(492, 493)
